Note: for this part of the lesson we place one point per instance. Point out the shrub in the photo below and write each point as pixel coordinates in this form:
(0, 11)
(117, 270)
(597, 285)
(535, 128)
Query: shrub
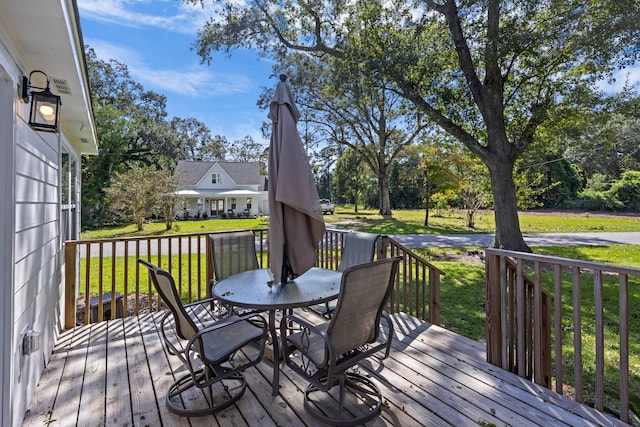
(627, 189)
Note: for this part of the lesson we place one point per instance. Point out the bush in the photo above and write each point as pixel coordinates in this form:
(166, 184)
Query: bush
(627, 190)
(596, 200)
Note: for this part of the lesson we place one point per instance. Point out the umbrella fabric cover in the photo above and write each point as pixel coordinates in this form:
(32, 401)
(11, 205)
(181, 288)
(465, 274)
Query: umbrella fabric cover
(296, 224)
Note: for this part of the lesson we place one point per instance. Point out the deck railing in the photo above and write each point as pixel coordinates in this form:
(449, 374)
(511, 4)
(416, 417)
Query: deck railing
(538, 305)
(103, 279)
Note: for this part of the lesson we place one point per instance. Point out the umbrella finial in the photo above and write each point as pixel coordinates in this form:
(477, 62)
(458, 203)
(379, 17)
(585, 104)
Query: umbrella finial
(283, 77)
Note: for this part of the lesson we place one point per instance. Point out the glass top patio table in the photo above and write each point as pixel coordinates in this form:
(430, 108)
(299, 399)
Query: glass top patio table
(249, 289)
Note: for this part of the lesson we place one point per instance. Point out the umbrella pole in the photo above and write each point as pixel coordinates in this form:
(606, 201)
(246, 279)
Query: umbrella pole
(284, 277)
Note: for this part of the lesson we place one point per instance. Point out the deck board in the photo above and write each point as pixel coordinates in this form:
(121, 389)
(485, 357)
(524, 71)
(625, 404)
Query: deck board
(144, 398)
(47, 388)
(117, 394)
(92, 395)
(117, 373)
(67, 398)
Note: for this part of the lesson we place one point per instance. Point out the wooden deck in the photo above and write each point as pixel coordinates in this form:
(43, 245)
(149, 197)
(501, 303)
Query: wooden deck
(117, 372)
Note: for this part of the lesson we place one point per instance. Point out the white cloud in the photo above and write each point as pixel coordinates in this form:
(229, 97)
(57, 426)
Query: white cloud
(171, 15)
(107, 51)
(193, 82)
(629, 76)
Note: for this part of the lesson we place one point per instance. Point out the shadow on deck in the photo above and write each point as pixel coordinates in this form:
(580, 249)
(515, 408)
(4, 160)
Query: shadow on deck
(117, 373)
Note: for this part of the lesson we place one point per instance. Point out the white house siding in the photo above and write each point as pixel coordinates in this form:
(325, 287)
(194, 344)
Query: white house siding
(37, 256)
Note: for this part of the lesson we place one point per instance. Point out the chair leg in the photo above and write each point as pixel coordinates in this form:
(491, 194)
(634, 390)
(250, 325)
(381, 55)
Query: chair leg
(176, 402)
(365, 391)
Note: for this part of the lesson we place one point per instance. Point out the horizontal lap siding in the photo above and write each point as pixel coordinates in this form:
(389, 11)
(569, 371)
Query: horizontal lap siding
(37, 277)
(32, 214)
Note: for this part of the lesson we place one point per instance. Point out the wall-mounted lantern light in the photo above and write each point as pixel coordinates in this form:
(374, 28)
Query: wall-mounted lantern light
(44, 114)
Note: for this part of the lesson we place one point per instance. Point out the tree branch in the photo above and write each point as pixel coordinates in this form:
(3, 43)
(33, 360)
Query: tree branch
(319, 46)
(450, 12)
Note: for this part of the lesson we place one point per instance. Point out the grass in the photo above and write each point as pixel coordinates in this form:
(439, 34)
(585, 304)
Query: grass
(453, 222)
(403, 222)
(157, 228)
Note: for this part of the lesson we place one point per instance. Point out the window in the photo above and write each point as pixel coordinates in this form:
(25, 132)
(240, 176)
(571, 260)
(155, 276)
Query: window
(216, 178)
(68, 192)
(233, 203)
(248, 202)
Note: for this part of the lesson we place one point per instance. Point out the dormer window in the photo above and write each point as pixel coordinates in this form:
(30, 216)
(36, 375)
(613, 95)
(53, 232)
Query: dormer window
(216, 178)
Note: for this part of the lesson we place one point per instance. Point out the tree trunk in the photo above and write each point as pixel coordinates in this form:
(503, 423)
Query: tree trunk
(508, 234)
(383, 191)
(426, 213)
(471, 222)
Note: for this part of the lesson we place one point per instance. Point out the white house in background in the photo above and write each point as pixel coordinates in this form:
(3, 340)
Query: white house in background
(218, 189)
(39, 188)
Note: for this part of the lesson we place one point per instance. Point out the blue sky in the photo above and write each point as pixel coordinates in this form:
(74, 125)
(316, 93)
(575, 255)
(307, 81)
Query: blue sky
(154, 38)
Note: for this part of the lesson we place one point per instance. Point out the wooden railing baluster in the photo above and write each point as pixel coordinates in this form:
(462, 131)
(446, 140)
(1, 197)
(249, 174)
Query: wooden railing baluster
(577, 335)
(87, 286)
(557, 325)
(599, 303)
(624, 347)
(113, 281)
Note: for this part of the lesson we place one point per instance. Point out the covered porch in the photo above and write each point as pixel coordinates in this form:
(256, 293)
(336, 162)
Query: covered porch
(221, 204)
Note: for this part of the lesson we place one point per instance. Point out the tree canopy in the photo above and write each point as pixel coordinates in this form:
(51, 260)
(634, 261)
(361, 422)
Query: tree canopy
(357, 110)
(489, 73)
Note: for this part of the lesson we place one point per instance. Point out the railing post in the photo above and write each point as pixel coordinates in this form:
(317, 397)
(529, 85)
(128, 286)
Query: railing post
(545, 341)
(493, 309)
(209, 272)
(70, 273)
(434, 296)
(381, 247)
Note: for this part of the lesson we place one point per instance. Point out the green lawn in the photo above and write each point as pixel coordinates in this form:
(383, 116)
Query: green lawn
(157, 228)
(403, 222)
(453, 222)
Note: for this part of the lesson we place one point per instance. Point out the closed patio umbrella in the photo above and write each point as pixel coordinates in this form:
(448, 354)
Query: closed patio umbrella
(296, 224)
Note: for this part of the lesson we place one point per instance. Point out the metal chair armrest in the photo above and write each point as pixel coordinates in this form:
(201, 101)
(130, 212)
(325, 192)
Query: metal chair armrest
(330, 358)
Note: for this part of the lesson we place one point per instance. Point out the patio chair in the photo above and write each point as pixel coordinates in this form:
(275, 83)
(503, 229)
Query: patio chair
(359, 248)
(329, 351)
(206, 351)
(232, 252)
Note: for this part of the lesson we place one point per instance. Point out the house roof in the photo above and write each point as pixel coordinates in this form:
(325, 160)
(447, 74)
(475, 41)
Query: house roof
(242, 173)
(46, 35)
